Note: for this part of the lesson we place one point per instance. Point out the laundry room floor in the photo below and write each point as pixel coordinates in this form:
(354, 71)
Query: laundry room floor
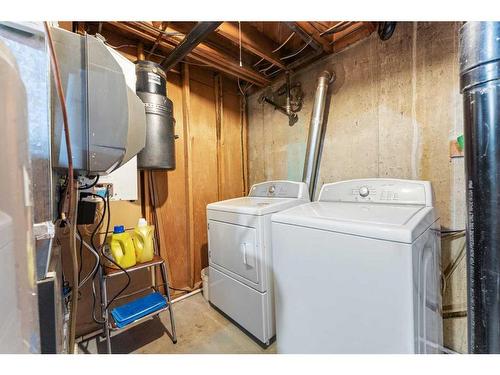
(200, 329)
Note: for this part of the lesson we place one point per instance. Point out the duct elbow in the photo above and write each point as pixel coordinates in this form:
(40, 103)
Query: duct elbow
(326, 77)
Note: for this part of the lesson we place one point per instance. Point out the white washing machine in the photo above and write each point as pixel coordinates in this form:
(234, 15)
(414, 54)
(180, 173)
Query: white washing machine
(359, 270)
(239, 253)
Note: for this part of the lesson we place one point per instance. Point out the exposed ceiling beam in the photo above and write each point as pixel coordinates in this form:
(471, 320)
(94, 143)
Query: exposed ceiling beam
(352, 34)
(339, 26)
(311, 30)
(190, 41)
(202, 54)
(252, 40)
(163, 28)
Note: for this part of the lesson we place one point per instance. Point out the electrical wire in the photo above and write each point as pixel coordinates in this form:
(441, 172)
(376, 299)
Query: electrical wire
(103, 253)
(92, 238)
(450, 269)
(276, 49)
(451, 232)
(273, 72)
(239, 87)
(298, 52)
(244, 91)
(94, 183)
(96, 266)
(94, 297)
(92, 248)
(120, 46)
(263, 70)
(258, 62)
(284, 43)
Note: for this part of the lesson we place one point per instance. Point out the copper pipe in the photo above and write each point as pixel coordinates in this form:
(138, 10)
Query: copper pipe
(70, 196)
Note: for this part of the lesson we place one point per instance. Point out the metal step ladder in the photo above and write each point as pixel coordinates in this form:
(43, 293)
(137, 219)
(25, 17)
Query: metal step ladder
(106, 273)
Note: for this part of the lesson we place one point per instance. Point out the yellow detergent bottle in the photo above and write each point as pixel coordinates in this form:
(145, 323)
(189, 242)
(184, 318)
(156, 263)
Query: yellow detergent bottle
(122, 248)
(143, 241)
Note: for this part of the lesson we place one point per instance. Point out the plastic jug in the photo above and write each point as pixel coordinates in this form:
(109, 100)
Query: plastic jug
(143, 241)
(122, 248)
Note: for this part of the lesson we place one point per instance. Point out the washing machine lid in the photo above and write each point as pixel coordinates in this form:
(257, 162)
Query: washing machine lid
(255, 205)
(391, 222)
(266, 198)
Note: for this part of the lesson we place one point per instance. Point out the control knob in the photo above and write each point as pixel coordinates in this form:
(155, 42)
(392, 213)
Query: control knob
(363, 191)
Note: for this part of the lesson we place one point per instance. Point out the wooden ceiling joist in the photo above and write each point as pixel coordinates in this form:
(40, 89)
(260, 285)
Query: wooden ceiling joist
(202, 54)
(220, 52)
(314, 33)
(352, 34)
(252, 40)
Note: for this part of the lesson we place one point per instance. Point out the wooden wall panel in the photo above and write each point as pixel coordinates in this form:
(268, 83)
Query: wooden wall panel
(204, 162)
(209, 167)
(172, 210)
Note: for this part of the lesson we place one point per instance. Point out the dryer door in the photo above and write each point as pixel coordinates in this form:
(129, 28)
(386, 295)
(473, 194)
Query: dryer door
(234, 250)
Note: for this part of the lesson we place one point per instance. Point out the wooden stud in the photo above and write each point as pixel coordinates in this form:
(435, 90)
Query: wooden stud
(244, 142)
(219, 108)
(186, 99)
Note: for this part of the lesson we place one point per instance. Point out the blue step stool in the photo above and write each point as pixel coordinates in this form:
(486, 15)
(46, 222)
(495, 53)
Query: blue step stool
(138, 308)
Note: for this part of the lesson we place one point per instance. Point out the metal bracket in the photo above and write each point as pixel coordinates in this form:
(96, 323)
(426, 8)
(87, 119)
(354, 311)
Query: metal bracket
(293, 100)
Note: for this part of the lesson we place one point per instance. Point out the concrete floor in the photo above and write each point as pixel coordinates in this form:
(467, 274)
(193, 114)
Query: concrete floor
(200, 329)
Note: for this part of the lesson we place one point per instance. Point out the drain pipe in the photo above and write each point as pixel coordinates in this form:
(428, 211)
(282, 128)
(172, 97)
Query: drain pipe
(480, 86)
(311, 162)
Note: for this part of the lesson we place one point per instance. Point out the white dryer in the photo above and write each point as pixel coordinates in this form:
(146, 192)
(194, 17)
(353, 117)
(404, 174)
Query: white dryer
(359, 270)
(239, 254)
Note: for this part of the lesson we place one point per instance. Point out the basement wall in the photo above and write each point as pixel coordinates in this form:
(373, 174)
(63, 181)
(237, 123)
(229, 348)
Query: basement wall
(393, 110)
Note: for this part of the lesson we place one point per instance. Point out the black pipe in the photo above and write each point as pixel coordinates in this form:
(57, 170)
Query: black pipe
(151, 87)
(190, 41)
(480, 85)
(386, 29)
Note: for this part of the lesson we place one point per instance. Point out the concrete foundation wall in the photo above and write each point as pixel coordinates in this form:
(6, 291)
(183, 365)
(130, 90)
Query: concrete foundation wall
(392, 112)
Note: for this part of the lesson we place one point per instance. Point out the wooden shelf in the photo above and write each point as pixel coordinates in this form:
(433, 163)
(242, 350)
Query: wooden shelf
(110, 272)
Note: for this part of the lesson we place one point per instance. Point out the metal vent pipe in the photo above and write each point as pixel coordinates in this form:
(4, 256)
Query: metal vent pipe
(311, 164)
(480, 86)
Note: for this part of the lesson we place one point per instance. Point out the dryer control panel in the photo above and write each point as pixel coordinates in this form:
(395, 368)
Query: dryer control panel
(280, 189)
(379, 190)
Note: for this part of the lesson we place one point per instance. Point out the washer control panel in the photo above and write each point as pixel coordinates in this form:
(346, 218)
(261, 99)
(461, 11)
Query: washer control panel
(280, 189)
(379, 190)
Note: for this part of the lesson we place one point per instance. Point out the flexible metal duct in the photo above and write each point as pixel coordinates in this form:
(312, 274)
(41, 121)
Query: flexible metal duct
(311, 164)
(480, 85)
(151, 87)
